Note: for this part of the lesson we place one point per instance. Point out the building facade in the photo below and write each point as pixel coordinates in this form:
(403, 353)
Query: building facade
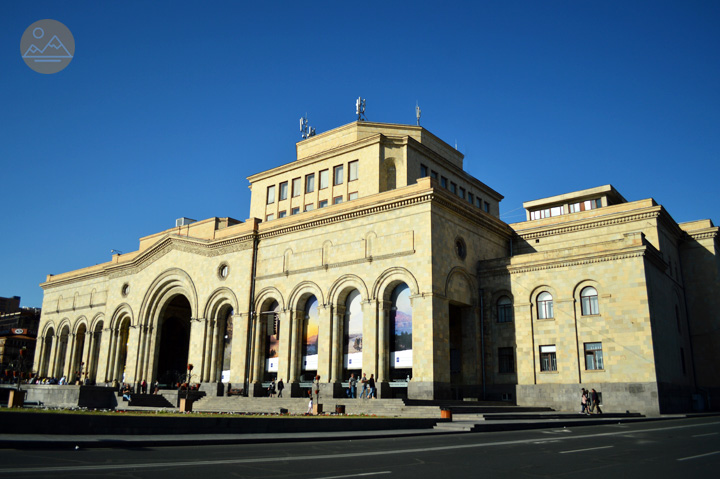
(18, 334)
(374, 252)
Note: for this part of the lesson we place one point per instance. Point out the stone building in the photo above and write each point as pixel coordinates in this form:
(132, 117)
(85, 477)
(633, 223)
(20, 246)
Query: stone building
(18, 333)
(374, 252)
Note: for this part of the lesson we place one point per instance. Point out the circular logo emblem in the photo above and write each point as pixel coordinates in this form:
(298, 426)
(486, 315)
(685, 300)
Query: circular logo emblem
(19, 331)
(47, 46)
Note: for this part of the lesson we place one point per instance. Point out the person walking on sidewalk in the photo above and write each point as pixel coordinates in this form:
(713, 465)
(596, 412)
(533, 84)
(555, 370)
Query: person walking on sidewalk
(280, 387)
(595, 407)
(371, 387)
(364, 382)
(584, 402)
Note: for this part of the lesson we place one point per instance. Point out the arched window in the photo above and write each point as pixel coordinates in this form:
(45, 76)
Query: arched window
(353, 337)
(310, 335)
(545, 305)
(589, 301)
(400, 328)
(504, 310)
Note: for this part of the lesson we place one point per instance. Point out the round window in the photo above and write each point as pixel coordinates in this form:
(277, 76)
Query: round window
(125, 289)
(460, 248)
(223, 271)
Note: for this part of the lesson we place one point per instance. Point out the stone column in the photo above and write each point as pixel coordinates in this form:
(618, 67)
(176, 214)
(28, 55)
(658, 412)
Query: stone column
(285, 352)
(296, 323)
(214, 347)
(370, 337)
(383, 369)
(336, 353)
(324, 342)
(257, 350)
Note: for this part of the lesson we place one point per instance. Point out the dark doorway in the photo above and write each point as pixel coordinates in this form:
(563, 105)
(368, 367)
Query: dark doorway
(456, 350)
(174, 342)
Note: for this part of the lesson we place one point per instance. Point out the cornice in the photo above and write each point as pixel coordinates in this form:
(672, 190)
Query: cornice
(590, 223)
(480, 218)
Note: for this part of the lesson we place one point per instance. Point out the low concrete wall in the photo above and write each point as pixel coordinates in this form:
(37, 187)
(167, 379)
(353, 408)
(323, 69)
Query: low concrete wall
(91, 397)
(616, 397)
(121, 424)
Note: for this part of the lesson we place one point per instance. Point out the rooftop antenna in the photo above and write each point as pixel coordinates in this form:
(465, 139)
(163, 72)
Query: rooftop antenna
(360, 109)
(115, 251)
(417, 112)
(306, 131)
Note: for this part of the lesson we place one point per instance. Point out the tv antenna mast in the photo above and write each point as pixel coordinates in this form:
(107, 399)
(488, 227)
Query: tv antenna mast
(306, 131)
(360, 109)
(417, 113)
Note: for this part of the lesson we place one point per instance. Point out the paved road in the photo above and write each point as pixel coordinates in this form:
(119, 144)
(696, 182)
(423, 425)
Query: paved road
(677, 448)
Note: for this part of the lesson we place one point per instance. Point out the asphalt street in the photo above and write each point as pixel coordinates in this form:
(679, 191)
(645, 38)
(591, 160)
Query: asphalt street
(671, 448)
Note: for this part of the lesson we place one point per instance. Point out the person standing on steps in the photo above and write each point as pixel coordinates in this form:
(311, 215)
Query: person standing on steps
(364, 382)
(280, 387)
(371, 387)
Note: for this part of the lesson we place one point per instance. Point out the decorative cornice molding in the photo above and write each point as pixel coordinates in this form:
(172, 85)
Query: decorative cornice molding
(589, 224)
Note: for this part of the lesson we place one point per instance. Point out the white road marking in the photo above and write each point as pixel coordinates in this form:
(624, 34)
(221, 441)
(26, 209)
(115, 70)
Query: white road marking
(357, 475)
(703, 435)
(318, 457)
(700, 455)
(588, 449)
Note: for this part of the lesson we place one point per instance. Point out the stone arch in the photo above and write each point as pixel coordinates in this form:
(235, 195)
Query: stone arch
(343, 285)
(82, 320)
(122, 311)
(93, 358)
(217, 336)
(493, 306)
(302, 291)
(389, 279)
(269, 293)
(48, 338)
(460, 282)
(219, 298)
(537, 291)
(168, 284)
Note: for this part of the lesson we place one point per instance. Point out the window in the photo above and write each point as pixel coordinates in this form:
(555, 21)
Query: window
(337, 200)
(478, 202)
(353, 196)
(338, 175)
(270, 217)
(324, 179)
(296, 187)
(295, 211)
(309, 207)
(546, 213)
(283, 190)
(548, 362)
(506, 360)
(282, 214)
(353, 170)
(504, 310)
(471, 198)
(434, 175)
(453, 187)
(486, 207)
(589, 301)
(310, 183)
(585, 205)
(423, 171)
(323, 203)
(462, 192)
(443, 182)
(545, 305)
(271, 194)
(593, 356)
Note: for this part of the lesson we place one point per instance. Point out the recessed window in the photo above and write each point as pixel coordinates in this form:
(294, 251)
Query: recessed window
(453, 187)
(548, 362)
(309, 207)
(338, 175)
(353, 196)
(471, 198)
(283, 190)
(310, 183)
(271, 194)
(460, 248)
(589, 301)
(353, 167)
(434, 174)
(443, 182)
(223, 271)
(282, 214)
(270, 217)
(324, 179)
(295, 211)
(585, 205)
(593, 356)
(486, 207)
(462, 192)
(296, 187)
(337, 200)
(545, 305)
(506, 360)
(125, 290)
(478, 202)
(504, 310)
(423, 171)
(322, 203)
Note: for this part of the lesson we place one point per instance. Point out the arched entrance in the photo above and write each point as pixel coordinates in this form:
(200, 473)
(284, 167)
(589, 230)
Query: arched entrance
(174, 341)
(46, 353)
(77, 365)
(96, 339)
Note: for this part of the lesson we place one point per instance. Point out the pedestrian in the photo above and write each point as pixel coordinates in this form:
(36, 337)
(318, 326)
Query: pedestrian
(595, 397)
(143, 386)
(371, 386)
(364, 383)
(583, 402)
(156, 387)
(271, 389)
(310, 404)
(352, 386)
(280, 387)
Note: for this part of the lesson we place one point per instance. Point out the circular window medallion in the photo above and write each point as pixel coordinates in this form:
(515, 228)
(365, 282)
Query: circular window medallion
(125, 289)
(460, 248)
(223, 270)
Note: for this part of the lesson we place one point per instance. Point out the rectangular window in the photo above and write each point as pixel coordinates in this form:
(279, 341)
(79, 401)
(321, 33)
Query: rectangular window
(598, 203)
(353, 167)
(506, 360)
(471, 198)
(309, 207)
(462, 192)
(556, 211)
(338, 175)
(423, 171)
(547, 358)
(434, 174)
(270, 217)
(282, 214)
(453, 187)
(323, 203)
(486, 207)
(337, 200)
(478, 202)
(593, 356)
(324, 179)
(353, 196)
(295, 211)
(310, 183)
(283, 190)
(271, 195)
(443, 182)
(296, 187)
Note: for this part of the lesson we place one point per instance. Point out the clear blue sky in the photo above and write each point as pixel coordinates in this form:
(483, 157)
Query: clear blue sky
(167, 107)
